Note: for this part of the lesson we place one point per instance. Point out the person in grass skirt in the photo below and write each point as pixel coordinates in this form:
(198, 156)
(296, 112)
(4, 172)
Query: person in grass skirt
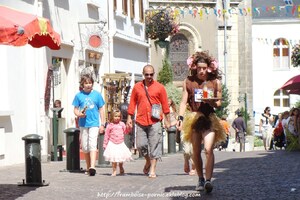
(115, 150)
(202, 90)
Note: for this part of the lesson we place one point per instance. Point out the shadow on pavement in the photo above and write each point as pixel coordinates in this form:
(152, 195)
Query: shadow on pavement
(11, 191)
(180, 188)
(269, 175)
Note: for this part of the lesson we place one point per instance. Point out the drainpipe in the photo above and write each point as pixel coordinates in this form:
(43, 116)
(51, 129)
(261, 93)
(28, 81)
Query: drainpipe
(224, 3)
(108, 35)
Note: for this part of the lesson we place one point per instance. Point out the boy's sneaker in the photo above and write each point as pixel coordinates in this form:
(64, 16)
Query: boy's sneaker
(200, 185)
(208, 186)
(92, 171)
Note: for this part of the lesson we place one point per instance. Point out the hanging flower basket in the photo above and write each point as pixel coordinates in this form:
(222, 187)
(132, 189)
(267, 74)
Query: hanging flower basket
(296, 55)
(160, 24)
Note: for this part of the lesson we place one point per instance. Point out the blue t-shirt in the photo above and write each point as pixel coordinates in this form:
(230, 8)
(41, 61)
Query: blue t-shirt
(93, 101)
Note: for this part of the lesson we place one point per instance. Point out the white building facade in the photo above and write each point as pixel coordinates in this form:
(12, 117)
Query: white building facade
(98, 37)
(275, 32)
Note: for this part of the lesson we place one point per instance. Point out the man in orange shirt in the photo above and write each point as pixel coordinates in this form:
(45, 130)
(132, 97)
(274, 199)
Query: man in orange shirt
(149, 129)
(226, 127)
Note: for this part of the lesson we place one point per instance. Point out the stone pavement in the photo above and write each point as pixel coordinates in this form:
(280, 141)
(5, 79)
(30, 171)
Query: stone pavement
(250, 175)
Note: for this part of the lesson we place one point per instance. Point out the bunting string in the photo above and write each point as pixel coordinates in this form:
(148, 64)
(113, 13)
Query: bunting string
(289, 10)
(271, 41)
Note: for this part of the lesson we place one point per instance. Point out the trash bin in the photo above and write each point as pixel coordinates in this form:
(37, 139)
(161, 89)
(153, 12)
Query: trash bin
(171, 139)
(59, 153)
(72, 149)
(33, 161)
(171, 142)
(101, 159)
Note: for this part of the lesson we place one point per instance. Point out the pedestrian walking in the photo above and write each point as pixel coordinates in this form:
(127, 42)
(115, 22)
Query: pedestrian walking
(239, 126)
(115, 150)
(189, 166)
(226, 126)
(149, 100)
(284, 121)
(265, 127)
(173, 116)
(57, 104)
(203, 92)
(88, 106)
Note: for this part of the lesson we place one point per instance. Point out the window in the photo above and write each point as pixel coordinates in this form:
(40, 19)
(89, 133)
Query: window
(281, 52)
(125, 7)
(281, 98)
(141, 10)
(93, 12)
(179, 52)
(132, 13)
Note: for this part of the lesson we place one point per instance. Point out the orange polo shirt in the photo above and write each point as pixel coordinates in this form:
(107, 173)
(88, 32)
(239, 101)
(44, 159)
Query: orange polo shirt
(139, 102)
(225, 125)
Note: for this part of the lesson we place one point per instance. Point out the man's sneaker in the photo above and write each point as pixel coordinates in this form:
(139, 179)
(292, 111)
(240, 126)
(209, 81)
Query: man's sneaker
(92, 171)
(208, 186)
(200, 185)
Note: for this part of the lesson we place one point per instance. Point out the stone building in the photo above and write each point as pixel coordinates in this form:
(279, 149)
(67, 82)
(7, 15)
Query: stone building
(221, 27)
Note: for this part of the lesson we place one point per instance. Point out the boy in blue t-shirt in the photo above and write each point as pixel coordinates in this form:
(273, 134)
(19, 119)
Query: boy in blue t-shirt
(88, 104)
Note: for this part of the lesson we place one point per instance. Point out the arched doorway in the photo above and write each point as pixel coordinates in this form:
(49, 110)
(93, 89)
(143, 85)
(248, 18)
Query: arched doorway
(179, 52)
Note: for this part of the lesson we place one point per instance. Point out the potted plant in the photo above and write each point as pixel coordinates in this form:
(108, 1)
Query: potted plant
(296, 55)
(160, 24)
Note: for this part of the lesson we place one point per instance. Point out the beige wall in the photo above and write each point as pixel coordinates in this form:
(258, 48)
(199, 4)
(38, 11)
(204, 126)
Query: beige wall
(204, 34)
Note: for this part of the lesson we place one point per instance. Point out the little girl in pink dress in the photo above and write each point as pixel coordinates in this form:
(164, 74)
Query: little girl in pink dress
(115, 150)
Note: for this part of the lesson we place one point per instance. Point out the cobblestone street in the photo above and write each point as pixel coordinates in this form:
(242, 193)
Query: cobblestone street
(250, 175)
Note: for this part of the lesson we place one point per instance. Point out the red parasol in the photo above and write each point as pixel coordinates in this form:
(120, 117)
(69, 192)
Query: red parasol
(292, 84)
(19, 28)
(295, 91)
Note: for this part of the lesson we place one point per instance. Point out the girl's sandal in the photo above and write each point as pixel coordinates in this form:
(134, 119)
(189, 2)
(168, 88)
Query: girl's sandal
(146, 169)
(192, 172)
(152, 176)
(122, 172)
(114, 173)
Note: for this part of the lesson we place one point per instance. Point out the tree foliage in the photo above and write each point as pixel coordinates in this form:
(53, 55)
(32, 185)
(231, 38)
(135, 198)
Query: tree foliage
(165, 75)
(223, 110)
(297, 104)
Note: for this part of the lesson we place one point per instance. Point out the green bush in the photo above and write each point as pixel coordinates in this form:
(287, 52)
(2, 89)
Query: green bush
(165, 75)
(223, 110)
(258, 142)
(174, 93)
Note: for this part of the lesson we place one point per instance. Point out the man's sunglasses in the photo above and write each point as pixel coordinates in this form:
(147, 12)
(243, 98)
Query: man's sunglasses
(149, 74)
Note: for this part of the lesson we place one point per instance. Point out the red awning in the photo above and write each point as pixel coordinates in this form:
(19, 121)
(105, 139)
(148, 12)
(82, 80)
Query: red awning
(18, 29)
(292, 84)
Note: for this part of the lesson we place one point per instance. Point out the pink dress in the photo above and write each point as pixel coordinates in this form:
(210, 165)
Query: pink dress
(115, 148)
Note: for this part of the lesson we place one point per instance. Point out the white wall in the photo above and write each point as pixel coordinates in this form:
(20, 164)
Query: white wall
(266, 80)
(24, 69)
